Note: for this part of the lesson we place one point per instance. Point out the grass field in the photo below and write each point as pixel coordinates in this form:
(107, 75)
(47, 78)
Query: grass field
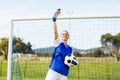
(36, 70)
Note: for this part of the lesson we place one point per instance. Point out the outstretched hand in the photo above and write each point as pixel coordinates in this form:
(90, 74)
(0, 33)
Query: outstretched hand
(57, 13)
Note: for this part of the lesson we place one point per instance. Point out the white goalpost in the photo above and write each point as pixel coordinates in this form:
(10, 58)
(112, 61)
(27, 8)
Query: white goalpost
(29, 56)
(9, 73)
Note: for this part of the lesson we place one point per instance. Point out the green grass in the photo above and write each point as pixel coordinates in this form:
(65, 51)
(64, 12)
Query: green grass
(98, 71)
(36, 70)
(3, 70)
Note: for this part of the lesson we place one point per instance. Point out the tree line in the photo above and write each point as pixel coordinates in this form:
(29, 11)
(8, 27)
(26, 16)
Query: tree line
(18, 46)
(112, 42)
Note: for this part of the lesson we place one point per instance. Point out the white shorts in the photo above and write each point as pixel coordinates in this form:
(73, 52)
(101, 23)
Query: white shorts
(52, 75)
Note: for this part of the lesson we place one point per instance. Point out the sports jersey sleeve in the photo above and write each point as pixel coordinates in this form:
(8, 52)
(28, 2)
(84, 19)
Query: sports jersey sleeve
(56, 42)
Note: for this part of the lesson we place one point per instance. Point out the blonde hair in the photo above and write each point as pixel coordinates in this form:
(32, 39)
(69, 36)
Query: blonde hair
(65, 31)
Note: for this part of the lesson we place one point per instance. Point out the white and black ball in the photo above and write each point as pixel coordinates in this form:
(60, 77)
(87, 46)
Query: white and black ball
(70, 60)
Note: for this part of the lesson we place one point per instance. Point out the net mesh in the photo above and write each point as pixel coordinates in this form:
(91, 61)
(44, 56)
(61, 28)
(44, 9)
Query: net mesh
(32, 62)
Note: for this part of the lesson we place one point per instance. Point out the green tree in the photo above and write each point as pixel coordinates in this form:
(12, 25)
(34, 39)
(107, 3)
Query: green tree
(114, 40)
(4, 47)
(18, 46)
(106, 38)
(98, 53)
(21, 47)
(77, 54)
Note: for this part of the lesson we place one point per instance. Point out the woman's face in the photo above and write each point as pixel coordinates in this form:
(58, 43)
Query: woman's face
(64, 36)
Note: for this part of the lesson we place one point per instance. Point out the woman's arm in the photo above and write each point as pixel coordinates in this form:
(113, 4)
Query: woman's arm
(55, 31)
(55, 24)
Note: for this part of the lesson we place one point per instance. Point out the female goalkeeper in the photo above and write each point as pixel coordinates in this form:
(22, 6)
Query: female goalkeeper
(58, 70)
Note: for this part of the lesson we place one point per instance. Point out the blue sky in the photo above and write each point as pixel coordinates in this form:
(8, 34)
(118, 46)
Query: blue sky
(12, 9)
(18, 9)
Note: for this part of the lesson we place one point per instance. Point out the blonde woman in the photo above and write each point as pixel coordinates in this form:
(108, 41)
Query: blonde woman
(58, 70)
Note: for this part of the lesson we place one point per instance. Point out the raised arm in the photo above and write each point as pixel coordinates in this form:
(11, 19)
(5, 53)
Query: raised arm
(55, 31)
(55, 24)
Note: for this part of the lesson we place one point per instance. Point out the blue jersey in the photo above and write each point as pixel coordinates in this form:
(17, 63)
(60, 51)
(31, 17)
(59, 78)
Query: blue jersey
(57, 63)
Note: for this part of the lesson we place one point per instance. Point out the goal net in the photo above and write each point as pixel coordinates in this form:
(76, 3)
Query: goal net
(31, 47)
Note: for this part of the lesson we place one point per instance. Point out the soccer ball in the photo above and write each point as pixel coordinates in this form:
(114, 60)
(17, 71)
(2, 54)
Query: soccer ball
(70, 60)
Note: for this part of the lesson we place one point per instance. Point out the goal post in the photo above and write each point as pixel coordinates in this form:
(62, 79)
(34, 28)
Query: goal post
(9, 70)
(34, 47)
